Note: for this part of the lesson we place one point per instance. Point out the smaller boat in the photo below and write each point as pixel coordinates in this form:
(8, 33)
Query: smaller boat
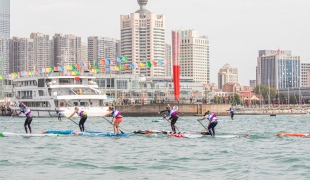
(288, 134)
(9, 134)
(89, 133)
(185, 135)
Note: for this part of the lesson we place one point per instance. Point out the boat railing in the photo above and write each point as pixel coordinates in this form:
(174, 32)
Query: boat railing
(26, 97)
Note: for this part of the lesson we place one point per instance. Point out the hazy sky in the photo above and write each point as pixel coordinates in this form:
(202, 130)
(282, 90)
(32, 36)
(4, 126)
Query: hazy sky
(237, 29)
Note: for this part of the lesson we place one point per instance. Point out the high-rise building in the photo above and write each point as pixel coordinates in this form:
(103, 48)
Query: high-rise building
(252, 84)
(41, 49)
(5, 19)
(4, 55)
(67, 49)
(227, 74)
(21, 54)
(84, 52)
(194, 60)
(304, 74)
(102, 48)
(278, 70)
(143, 39)
(168, 70)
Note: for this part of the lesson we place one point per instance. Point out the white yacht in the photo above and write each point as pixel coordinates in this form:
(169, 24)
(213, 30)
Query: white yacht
(45, 95)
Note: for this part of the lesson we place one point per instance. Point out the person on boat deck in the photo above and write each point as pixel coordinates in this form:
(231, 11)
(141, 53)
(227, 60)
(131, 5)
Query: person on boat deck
(232, 113)
(212, 122)
(116, 119)
(173, 116)
(27, 112)
(83, 116)
(59, 115)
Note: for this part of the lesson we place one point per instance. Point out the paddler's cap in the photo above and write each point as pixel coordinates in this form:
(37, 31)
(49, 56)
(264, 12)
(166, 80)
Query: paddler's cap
(20, 105)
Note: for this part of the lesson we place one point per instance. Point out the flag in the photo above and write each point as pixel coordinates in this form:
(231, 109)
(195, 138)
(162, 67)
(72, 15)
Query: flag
(117, 68)
(137, 65)
(108, 61)
(60, 68)
(77, 72)
(68, 67)
(166, 62)
(119, 59)
(112, 68)
(37, 71)
(43, 70)
(149, 64)
(112, 61)
(82, 64)
(107, 69)
(47, 70)
(95, 63)
(122, 67)
(73, 67)
(181, 58)
(19, 74)
(52, 69)
(69, 73)
(125, 59)
(97, 70)
(73, 73)
(132, 66)
(126, 66)
(89, 65)
(142, 65)
(154, 63)
(102, 70)
(56, 68)
(160, 62)
(102, 62)
(93, 70)
(78, 66)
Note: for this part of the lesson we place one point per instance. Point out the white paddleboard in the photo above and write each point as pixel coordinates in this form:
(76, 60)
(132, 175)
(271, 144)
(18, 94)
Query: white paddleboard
(9, 134)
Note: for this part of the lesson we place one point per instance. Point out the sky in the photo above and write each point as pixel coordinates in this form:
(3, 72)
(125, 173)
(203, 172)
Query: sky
(237, 29)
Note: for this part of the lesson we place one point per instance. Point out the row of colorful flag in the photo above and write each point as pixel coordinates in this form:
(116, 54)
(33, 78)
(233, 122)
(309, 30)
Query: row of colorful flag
(76, 68)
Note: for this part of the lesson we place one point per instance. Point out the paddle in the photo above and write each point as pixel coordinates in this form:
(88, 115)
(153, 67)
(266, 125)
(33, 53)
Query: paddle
(202, 124)
(9, 120)
(170, 122)
(113, 125)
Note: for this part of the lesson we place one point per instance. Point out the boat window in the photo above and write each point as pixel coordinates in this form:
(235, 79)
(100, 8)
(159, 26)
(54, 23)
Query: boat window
(41, 93)
(41, 82)
(82, 103)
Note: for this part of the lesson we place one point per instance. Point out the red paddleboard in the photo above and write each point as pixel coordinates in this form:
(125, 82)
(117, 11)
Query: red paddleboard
(294, 134)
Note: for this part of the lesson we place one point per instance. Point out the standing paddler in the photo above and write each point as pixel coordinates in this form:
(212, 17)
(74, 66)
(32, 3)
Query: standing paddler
(173, 113)
(232, 113)
(83, 115)
(24, 109)
(212, 122)
(116, 119)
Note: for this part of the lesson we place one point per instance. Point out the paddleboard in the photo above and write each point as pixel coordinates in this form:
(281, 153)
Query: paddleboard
(231, 136)
(88, 133)
(58, 121)
(9, 134)
(185, 135)
(159, 120)
(65, 132)
(293, 135)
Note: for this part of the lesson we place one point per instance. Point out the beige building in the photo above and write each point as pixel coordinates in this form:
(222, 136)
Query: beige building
(41, 50)
(233, 87)
(21, 54)
(143, 39)
(168, 70)
(102, 48)
(84, 52)
(195, 53)
(4, 55)
(227, 74)
(67, 49)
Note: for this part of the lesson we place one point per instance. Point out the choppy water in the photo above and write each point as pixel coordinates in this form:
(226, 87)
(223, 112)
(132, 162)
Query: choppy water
(261, 156)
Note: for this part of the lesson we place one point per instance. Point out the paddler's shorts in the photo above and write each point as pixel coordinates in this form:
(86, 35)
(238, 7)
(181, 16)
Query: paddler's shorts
(118, 119)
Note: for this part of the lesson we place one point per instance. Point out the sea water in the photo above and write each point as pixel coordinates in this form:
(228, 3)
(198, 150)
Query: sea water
(262, 155)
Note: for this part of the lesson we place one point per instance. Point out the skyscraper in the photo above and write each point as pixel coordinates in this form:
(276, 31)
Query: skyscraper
(278, 69)
(102, 48)
(304, 74)
(41, 45)
(143, 39)
(84, 52)
(67, 49)
(4, 55)
(168, 70)
(195, 56)
(21, 54)
(5, 19)
(227, 74)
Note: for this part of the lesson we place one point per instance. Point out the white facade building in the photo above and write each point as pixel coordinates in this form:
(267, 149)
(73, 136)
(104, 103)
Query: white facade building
(5, 18)
(227, 74)
(21, 54)
(4, 55)
(143, 39)
(84, 52)
(195, 54)
(41, 55)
